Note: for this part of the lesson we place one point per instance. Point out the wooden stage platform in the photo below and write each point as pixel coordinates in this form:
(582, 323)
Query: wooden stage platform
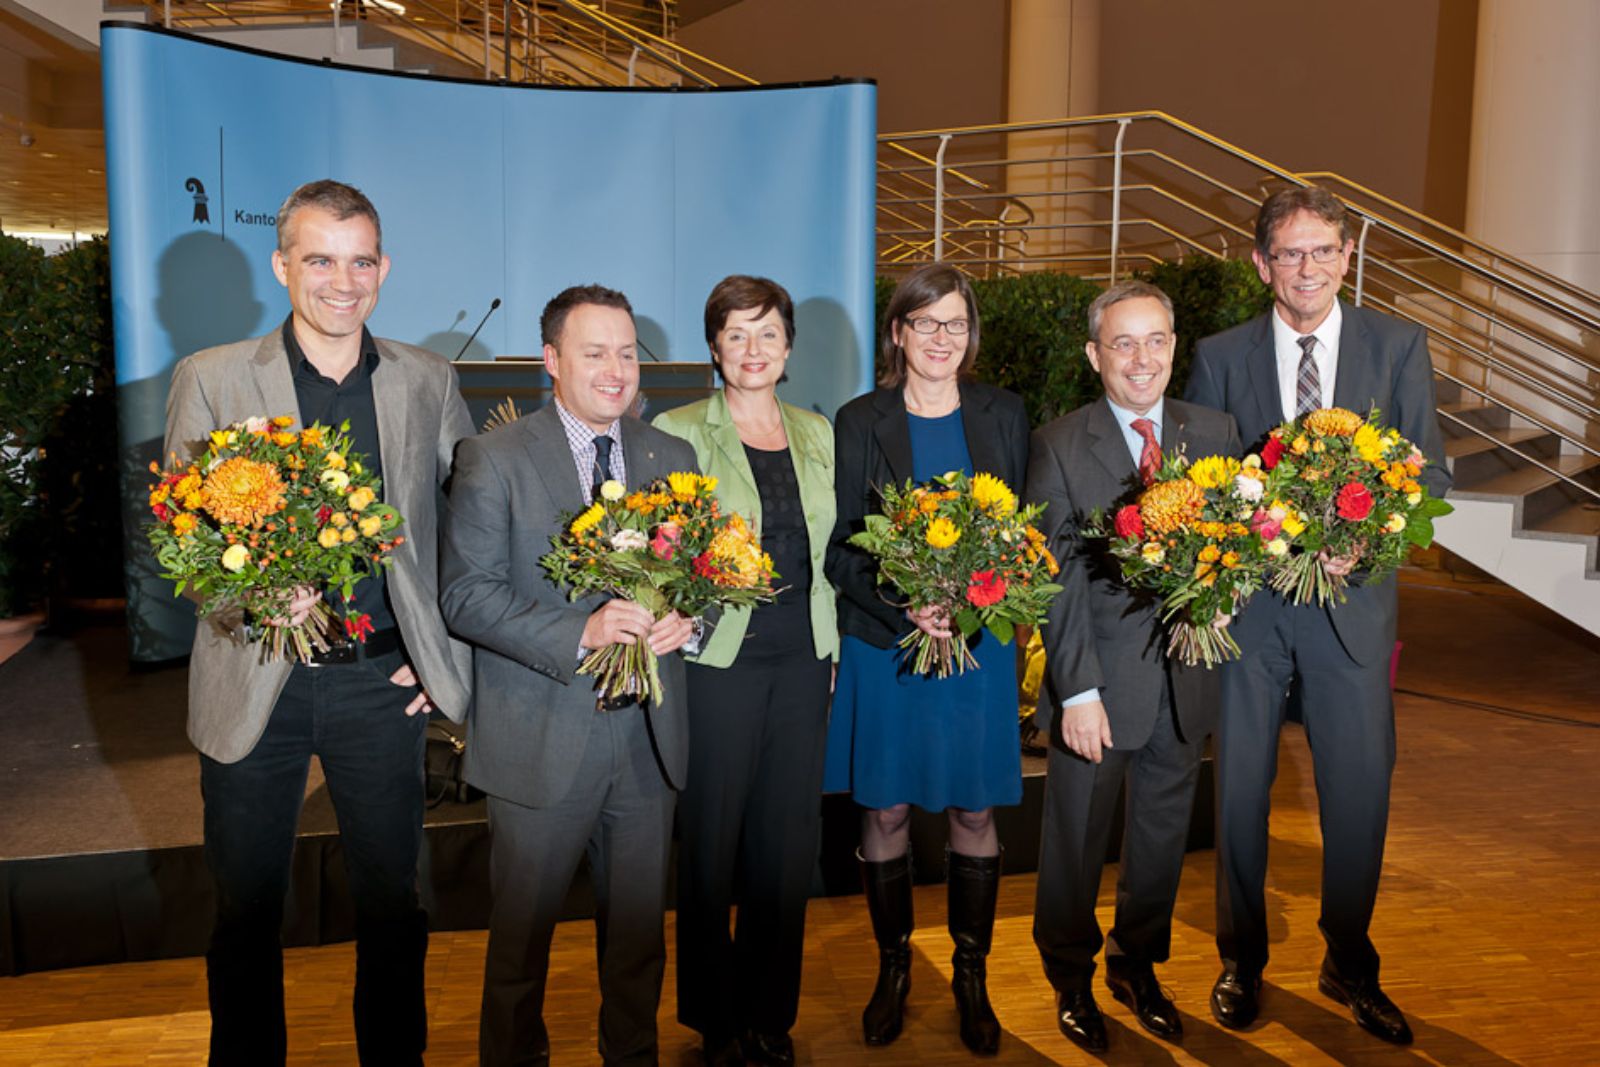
(1489, 919)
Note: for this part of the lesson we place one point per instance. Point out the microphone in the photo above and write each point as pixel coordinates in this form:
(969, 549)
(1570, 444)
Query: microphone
(492, 305)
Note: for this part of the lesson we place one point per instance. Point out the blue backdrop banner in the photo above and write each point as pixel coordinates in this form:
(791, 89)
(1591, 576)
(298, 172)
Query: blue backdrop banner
(485, 191)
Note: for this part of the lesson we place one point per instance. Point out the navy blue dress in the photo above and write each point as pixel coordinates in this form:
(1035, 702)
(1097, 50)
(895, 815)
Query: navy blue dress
(896, 737)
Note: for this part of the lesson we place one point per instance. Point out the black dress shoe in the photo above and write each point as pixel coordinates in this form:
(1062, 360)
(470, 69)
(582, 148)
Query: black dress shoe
(1374, 1012)
(1079, 1018)
(1141, 992)
(1236, 999)
(722, 1050)
(774, 1049)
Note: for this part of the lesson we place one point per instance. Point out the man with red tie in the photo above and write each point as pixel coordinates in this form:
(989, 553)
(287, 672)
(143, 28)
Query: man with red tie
(1117, 710)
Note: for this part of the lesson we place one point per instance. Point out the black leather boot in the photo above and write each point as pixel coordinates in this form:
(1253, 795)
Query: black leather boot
(888, 889)
(974, 884)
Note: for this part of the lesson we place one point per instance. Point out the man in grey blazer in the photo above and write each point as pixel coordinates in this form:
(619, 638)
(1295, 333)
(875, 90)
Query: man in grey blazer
(1311, 351)
(566, 776)
(359, 707)
(1118, 712)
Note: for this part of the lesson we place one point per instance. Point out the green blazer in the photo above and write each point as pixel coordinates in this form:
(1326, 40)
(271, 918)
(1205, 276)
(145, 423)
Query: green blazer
(708, 426)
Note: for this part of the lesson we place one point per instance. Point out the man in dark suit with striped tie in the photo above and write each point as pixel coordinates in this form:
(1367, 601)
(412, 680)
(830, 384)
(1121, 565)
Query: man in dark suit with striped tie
(1312, 351)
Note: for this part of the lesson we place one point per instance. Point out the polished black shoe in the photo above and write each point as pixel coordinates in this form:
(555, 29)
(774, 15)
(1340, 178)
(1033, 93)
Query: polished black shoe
(776, 1050)
(722, 1050)
(1236, 999)
(1374, 1012)
(1151, 1006)
(1079, 1018)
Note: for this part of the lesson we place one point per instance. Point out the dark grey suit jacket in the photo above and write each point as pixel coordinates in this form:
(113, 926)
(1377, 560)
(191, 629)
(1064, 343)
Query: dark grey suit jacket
(1101, 632)
(532, 712)
(1383, 363)
(421, 416)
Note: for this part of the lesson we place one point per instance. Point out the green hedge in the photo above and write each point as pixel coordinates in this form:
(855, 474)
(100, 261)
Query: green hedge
(59, 502)
(1035, 326)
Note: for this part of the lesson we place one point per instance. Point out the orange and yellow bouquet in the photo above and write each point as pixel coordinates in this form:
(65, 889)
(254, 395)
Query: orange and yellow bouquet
(667, 546)
(962, 545)
(1355, 483)
(1200, 537)
(265, 510)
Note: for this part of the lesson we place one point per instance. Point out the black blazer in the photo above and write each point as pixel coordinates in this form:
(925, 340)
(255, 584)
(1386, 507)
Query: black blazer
(1100, 632)
(872, 448)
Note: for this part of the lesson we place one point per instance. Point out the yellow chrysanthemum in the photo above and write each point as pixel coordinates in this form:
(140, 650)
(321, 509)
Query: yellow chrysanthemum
(242, 491)
(1333, 422)
(1213, 472)
(360, 498)
(738, 555)
(188, 484)
(1368, 443)
(1209, 554)
(283, 422)
(184, 523)
(159, 494)
(284, 438)
(311, 437)
(335, 461)
(942, 533)
(587, 519)
(327, 537)
(1230, 560)
(1166, 506)
(993, 494)
(235, 557)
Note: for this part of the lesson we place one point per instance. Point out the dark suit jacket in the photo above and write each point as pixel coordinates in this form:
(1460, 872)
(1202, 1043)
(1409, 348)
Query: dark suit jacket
(1383, 363)
(872, 448)
(533, 710)
(1101, 632)
(421, 416)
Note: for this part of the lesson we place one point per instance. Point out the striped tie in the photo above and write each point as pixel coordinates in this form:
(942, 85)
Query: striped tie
(1308, 386)
(602, 464)
(1150, 455)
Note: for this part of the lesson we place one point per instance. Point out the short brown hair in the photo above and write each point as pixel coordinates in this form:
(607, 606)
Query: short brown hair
(554, 317)
(926, 285)
(338, 199)
(1285, 203)
(746, 292)
(1133, 289)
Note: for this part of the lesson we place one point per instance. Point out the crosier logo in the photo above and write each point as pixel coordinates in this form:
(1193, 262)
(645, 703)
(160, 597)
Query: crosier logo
(201, 212)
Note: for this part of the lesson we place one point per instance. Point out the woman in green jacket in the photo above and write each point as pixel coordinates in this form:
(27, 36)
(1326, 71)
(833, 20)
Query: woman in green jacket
(758, 693)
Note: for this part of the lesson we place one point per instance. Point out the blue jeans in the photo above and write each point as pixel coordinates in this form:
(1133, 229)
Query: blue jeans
(352, 718)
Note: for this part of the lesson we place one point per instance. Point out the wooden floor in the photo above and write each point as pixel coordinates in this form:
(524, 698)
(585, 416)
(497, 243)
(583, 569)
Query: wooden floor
(1489, 922)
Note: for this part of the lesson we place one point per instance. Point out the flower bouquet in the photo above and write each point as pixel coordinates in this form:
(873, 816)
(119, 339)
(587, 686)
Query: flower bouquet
(1199, 537)
(1355, 483)
(668, 547)
(264, 511)
(962, 545)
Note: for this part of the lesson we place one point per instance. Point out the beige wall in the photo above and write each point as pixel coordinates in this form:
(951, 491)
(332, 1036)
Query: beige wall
(1377, 90)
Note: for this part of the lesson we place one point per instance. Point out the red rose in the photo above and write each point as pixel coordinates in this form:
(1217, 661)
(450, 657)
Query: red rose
(161, 512)
(1129, 523)
(1354, 502)
(987, 589)
(1271, 452)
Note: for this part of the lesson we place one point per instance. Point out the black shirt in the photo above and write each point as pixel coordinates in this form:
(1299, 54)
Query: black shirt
(321, 399)
(779, 628)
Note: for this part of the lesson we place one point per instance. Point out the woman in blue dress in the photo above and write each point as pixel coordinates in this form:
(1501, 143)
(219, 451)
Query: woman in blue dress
(897, 738)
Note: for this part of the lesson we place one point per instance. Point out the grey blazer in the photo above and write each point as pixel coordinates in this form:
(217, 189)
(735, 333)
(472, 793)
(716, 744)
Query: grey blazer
(533, 710)
(421, 416)
(1100, 632)
(1384, 363)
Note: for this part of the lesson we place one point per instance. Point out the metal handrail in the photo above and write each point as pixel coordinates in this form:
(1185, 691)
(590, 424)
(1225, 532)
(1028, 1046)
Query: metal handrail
(1388, 266)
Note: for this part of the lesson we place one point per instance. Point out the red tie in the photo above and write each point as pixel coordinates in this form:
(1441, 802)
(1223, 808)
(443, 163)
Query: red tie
(1150, 455)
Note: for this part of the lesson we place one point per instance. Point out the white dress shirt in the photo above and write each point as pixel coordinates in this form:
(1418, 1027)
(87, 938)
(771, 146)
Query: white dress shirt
(1286, 345)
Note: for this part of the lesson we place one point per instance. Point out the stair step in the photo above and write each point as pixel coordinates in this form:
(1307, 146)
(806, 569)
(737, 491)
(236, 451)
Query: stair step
(1472, 444)
(1582, 520)
(1528, 479)
(1474, 410)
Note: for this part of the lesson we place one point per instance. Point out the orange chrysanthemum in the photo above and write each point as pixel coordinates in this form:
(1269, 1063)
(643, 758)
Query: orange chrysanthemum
(737, 553)
(1166, 506)
(1333, 422)
(242, 492)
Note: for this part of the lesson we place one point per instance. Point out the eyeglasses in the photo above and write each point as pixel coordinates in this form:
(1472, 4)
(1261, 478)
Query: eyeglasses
(1156, 344)
(929, 326)
(1293, 257)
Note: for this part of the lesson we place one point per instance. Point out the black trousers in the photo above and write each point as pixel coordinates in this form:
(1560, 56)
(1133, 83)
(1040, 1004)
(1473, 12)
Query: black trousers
(748, 821)
(1348, 711)
(353, 720)
(1080, 804)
